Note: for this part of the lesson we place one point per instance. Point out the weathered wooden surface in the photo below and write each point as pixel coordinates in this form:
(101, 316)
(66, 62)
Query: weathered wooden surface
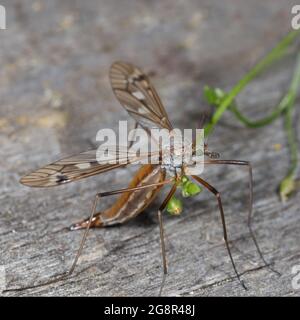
(55, 95)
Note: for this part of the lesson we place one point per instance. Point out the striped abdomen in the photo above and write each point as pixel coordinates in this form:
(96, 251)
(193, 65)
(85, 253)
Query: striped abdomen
(131, 203)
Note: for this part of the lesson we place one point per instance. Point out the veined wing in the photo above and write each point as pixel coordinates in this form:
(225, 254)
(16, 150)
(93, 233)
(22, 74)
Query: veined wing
(82, 165)
(137, 95)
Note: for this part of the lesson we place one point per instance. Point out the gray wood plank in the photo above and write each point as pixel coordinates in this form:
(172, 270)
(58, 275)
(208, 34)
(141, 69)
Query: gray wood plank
(55, 96)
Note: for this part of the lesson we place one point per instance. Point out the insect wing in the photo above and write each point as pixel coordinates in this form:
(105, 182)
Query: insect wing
(83, 165)
(137, 95)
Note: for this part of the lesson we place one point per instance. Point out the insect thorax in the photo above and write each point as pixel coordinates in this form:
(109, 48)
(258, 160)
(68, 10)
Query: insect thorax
(174, 163)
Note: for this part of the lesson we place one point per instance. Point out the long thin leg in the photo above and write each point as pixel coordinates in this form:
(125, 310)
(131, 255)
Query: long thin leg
(98, 196)
(250, 203)
(161, 229)
(218, 196)
(85, 234)
(162, 238)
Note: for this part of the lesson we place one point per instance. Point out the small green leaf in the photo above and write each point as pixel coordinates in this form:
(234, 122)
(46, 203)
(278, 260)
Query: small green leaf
(286, 188)
(220, 94)
(190, 189)
(209, 95)
(174, 206)
(214, 96)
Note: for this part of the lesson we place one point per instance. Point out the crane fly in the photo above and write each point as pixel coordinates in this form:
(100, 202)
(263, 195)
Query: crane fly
(136, 94)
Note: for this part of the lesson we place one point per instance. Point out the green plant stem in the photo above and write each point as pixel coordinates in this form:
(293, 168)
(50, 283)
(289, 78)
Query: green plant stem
(285, 106)
(261, 122)
(292, 143)
(275, 53)
(291, 136)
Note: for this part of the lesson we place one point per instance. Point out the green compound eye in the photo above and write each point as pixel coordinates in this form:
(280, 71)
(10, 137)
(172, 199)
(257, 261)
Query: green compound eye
(189, 188)
(174, 206)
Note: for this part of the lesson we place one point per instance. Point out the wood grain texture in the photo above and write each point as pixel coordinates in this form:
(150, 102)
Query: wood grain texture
(55, 96)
